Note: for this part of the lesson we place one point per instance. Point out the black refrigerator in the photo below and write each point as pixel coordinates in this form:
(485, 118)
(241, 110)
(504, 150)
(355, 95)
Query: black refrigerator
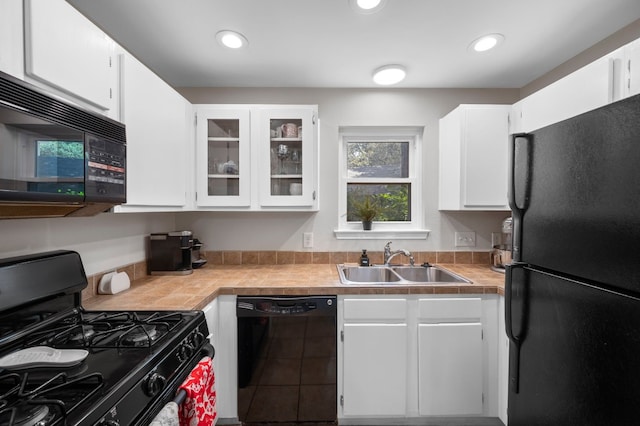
(572, 294)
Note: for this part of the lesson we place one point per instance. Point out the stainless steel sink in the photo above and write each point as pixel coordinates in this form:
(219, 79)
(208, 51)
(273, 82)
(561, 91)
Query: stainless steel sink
(370, 274)
(382, 274)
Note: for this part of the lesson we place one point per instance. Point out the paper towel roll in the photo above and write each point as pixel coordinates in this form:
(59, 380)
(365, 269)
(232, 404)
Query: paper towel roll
(114, 282)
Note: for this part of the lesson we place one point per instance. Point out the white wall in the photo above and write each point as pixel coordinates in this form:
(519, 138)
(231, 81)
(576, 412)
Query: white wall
(111, 240)
(347, 107)
(104, 242)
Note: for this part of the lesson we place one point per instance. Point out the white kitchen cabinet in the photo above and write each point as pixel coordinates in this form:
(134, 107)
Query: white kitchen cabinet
(11, 38)
(450, 357)
(211, 315)
(225, 362)
(287, 138)
(223, 158)
(67, 52)
(159, 122)
(590, 87)
(418, 359)
(374, 341)
(375, 379)
(503, 364)
(450, 369)
(515, 118)
(257, 157)
(632, 68)
(473, 151)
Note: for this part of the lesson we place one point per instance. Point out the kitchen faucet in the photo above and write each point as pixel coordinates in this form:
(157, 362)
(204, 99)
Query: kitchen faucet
(388, 254)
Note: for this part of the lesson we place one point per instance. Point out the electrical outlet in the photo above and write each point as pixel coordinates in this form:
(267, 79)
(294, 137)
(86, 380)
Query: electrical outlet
(307, 239)
(465, 239)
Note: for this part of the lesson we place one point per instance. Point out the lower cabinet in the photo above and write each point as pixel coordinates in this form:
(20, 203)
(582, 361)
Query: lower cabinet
(503, 364)
(420, 357)
(374, 337)
(450, 369)
(450, 356)
(221, 320)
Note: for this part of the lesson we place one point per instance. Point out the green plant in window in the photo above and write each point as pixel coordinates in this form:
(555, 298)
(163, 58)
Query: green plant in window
(366, 209)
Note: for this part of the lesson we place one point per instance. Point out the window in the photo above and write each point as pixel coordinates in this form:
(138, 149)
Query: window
(379, 165)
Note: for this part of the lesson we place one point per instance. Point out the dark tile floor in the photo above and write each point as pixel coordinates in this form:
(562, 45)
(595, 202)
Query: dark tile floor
(295, 378)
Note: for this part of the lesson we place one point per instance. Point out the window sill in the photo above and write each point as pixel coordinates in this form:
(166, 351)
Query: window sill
(359, 234)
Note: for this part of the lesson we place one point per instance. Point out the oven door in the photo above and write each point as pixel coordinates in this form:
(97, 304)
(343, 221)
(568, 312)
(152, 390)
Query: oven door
(170, 391)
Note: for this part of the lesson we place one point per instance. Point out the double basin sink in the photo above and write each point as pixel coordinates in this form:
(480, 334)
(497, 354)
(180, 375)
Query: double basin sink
(398, 275)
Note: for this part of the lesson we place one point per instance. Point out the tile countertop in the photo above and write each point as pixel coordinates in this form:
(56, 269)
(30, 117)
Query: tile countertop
(195, 291)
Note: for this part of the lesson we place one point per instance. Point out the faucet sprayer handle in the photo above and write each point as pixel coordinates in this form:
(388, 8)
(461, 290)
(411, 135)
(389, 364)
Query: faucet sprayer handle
(388, 246)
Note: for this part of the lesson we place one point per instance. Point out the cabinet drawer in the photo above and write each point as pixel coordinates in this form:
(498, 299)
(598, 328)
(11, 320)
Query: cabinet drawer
(450, 309)
(375, 309)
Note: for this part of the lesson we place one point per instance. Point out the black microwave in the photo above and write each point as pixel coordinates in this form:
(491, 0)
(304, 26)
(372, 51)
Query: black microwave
(56, 159)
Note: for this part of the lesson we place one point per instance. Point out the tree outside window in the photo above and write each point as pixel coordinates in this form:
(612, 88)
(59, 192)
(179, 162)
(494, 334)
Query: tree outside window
(379, 169)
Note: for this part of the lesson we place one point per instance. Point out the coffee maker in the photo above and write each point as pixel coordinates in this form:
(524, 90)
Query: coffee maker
(170, 253)
(501, 253)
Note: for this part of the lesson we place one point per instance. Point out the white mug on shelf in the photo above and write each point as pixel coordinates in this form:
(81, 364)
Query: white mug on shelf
(295, 189)
(289, 130)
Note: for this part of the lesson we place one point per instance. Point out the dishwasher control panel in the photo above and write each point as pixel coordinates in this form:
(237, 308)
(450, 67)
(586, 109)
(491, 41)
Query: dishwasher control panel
(282, 305)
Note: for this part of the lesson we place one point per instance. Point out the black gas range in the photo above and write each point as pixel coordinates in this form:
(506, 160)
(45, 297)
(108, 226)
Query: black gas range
(79, 367)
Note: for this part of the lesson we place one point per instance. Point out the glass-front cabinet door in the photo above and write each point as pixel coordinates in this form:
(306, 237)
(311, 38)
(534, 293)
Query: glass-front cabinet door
(288, 160)
(223, 157)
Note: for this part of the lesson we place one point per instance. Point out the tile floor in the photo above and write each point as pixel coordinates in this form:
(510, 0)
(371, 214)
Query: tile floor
(294, 381)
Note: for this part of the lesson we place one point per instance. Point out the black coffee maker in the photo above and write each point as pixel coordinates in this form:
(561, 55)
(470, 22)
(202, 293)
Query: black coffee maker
(170, 253)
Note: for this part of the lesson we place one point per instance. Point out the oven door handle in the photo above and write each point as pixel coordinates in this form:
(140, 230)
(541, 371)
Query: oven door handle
(207, 350)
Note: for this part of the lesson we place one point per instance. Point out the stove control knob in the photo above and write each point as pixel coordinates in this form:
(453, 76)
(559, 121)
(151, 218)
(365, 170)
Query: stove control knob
(184, 352)
(154, 384)
(196, 339)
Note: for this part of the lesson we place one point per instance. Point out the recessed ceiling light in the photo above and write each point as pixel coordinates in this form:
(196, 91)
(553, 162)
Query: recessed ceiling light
(367, 6)
(231, 39)
(486, 42)
(389, 75)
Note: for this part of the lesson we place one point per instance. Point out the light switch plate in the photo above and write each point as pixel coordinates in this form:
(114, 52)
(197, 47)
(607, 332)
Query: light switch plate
(465, 239)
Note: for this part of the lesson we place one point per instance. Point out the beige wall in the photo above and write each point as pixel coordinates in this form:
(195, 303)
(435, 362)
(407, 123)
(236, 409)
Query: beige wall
(626, 35)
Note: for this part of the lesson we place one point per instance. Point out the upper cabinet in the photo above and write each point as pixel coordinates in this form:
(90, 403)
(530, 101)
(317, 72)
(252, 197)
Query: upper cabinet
(631, 69)
(590, 87)
(257, 157)
(473, 158)
(11, 38)
(67, 52)
(223, 158)
(288, 160)
(159, 133)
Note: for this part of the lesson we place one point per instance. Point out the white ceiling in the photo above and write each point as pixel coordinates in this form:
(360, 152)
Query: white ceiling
(324, 43)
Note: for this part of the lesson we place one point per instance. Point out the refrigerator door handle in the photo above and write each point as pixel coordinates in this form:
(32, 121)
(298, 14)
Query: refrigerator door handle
(514, 338)
(519, 186)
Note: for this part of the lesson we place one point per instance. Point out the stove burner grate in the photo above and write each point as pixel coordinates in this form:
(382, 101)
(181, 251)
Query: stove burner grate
(102, 330)
(24, 403)
(27, 415)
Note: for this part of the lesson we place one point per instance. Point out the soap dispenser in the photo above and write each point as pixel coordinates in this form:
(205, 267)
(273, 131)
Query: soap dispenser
(364, 258)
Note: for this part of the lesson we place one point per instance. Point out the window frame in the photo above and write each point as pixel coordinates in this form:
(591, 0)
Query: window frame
(412, 229)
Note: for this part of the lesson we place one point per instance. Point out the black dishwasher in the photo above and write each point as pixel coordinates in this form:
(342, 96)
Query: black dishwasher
(286, 359)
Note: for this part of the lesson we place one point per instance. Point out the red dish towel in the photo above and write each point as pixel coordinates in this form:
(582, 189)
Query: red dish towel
(199, 407)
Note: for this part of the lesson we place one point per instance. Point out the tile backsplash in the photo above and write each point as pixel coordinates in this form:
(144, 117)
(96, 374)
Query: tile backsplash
(139, 270)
